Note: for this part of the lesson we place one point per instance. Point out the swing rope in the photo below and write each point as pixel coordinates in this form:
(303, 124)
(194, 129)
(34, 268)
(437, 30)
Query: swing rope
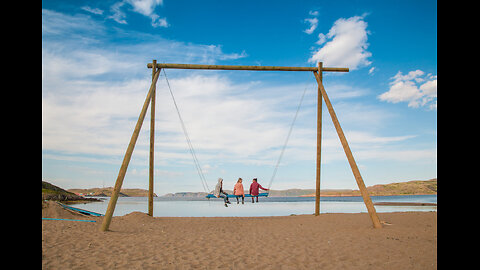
(189, 142)
(286, 140)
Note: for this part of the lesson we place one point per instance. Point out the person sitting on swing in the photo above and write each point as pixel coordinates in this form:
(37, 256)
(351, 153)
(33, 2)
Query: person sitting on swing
(238, 190)
(254, 189)
(219, 193)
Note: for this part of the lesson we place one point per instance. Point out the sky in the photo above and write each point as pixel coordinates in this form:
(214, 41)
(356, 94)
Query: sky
(95, 80)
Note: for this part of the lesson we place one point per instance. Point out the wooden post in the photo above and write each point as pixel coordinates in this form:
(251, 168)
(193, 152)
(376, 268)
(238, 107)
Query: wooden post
(123, 169)
(152, 142)
(351, 160)
(319, 142)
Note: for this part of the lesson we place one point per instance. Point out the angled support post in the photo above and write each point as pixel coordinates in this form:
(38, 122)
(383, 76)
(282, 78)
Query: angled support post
(353, 165)
(126, 159)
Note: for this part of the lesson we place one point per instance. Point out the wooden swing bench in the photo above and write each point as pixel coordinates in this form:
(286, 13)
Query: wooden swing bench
(234, 196)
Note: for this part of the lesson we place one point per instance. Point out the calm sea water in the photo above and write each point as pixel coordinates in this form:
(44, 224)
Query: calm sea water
(271, 206)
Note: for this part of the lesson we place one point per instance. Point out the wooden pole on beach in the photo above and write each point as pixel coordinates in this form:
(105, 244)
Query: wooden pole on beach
(348, 152)
(319, 141)
(126, 159)
(152, 142)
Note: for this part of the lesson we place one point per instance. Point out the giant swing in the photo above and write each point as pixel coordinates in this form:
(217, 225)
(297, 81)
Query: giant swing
(317, 72)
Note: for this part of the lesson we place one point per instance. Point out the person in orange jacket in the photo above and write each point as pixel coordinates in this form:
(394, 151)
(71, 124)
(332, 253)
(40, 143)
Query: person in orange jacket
(238, 190)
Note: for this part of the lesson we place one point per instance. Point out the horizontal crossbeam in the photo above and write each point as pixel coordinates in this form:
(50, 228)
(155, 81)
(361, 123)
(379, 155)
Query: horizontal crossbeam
(228, 67)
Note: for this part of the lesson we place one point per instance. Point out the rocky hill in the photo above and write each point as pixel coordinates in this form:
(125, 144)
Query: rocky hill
(54, 193)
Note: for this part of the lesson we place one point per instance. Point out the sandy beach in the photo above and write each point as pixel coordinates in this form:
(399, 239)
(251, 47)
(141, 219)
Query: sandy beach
(408, 240)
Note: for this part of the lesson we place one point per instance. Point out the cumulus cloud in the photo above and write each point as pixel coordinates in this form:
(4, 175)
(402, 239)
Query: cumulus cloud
(415, 88)
(345, 44)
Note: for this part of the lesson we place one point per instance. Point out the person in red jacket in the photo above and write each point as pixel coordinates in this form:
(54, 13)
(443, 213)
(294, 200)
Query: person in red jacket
(254, 189)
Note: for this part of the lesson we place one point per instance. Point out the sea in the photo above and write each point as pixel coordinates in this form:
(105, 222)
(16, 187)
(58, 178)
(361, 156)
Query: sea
(267, 206)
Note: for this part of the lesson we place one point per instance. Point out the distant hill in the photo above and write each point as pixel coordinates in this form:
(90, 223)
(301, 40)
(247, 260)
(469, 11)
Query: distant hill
(405, 188)
(107, 192)
(416, 187)
(401, 188)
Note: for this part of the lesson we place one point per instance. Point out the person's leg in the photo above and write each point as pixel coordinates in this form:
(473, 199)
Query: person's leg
(224, 199)
(257, 198)
(253, 200)
(243, 198)
(237, 200)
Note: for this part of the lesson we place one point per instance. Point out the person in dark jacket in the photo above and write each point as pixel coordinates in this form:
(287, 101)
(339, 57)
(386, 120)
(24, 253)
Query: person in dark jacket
(254, 189)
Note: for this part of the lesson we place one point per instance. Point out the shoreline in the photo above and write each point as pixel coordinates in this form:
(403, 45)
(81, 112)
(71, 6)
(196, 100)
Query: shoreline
(348, 195)
(404, 204)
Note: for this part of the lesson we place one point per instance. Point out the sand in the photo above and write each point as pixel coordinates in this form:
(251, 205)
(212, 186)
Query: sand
(329, 241)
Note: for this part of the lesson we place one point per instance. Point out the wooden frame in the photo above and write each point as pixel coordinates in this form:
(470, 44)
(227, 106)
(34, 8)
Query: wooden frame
(317, 72)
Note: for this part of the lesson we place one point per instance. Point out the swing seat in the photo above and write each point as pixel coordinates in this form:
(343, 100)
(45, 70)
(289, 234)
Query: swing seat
(233, 196)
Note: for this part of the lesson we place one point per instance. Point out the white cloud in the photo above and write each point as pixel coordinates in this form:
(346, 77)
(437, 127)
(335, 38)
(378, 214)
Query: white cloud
(143, 7)
(92, 94)
(158, 22)
(96, 11)
(313, 22)
(313, 25)
(55, 24)
(118, 15)
(321, 39)
(347, 45)
(415, 88)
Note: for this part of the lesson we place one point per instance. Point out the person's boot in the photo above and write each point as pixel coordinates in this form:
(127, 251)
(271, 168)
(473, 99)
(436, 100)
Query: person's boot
(226, 205)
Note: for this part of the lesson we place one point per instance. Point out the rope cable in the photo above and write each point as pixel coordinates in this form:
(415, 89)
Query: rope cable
(286, 140)
(189, 142)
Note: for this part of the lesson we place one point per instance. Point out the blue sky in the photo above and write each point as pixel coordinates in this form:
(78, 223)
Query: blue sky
(95, 79)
